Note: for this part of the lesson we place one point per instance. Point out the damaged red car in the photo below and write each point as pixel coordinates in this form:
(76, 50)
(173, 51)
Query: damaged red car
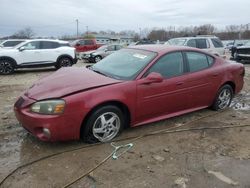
(134, 86)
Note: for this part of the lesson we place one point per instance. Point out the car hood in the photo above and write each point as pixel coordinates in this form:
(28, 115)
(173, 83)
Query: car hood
(89, 52)
(243, 47)
(67, 81)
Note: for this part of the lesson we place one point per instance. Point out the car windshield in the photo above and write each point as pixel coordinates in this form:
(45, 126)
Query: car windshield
(247, 43)
(176, 42)
(125, 64)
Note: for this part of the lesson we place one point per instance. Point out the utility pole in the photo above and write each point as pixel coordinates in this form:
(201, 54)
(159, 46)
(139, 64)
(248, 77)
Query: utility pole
(140, 34)
(87, 30)
(77, 33)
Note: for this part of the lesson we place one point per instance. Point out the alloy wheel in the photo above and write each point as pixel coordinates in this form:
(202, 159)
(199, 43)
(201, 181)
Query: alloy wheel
(224, 98)
(106, 126)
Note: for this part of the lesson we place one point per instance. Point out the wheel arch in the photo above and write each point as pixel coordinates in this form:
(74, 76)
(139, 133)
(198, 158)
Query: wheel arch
(9, 58)
(65, 55)
(123, 107)
(231, 83)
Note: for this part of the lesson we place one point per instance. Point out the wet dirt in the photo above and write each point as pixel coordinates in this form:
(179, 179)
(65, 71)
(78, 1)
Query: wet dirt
(163, 160)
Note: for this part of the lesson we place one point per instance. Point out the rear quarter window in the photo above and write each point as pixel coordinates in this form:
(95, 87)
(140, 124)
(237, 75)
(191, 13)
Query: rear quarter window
(217, 43)
(198, 61)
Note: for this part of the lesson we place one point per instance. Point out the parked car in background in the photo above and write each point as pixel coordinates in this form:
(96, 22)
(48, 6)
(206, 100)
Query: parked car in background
(84, 45)
(100, 53)
(236, 44)
(10, 43)
(208, 43)
(134, 86)
(37, 53)
(142, 42)
(242, 52)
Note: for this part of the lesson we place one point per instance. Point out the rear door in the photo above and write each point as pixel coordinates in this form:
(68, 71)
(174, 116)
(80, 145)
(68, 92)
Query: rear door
(199, 81)
(166, 97)
(50, 51)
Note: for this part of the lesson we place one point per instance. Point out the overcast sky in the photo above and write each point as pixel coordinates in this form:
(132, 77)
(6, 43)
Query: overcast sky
(58, 17)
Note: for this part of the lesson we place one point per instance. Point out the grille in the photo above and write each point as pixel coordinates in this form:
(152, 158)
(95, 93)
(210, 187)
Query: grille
(244, 51)
(19, 102)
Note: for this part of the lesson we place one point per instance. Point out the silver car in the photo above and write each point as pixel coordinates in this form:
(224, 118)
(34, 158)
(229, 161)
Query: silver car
(208, 43)
(100, 53)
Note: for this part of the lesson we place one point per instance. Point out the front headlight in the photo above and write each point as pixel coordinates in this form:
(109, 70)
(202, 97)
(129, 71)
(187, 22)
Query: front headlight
(48, 107)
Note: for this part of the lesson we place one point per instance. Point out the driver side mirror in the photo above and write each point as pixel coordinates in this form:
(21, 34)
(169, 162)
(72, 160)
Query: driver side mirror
(77, 44)
(21, 48)
(153, 77)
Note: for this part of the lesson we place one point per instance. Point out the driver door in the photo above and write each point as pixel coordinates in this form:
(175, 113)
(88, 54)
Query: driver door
(167, 97)
(30, 53)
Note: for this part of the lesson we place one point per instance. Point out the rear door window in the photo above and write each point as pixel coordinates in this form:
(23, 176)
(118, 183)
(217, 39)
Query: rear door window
(201, 43)
(49, 45)
(197, 61)
(89, 42)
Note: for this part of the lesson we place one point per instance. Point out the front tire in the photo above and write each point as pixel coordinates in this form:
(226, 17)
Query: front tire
(223, 98)
(97, 58)
(64, 62)
(6, 66)
(103, 125)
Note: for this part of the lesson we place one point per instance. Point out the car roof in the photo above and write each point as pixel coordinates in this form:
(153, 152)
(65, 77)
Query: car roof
(48, 40)
(196, 37)
(160, 48)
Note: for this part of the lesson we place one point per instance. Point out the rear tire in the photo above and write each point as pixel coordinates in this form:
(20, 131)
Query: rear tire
(103, 125)
(64, 62)
(6, 66)
(223, 98)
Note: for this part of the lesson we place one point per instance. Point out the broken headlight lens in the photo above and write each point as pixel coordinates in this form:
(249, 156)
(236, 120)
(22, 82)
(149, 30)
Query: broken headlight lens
(49, 107)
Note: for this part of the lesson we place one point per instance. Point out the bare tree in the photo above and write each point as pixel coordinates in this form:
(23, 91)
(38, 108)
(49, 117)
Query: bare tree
(25, 33)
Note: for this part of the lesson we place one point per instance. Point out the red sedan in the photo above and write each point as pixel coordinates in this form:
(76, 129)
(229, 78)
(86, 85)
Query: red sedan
(131, 87)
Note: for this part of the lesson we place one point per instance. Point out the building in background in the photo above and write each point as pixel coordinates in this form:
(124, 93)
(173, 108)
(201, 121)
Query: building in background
(108, 38)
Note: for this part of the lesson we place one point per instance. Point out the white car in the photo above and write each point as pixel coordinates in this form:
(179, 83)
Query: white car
(10, 43)
(209, 43)
(37, 53)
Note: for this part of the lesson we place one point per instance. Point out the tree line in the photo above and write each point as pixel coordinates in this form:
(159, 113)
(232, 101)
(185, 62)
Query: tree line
(230, 32)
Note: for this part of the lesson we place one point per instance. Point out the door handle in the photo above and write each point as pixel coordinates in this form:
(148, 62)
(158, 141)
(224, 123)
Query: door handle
(215, 74)
(179, 83)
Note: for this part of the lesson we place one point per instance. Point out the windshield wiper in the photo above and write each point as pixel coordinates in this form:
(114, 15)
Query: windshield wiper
(97, 71)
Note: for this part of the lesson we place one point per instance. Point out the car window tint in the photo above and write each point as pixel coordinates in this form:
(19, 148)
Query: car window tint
(32, 45)
(11, 43)
(169, 65)
(81, 42)
(217, 43)
(196, 61)
(210, 60)
(191, 43)
(49, 45)
(89, 42)
(201, 43)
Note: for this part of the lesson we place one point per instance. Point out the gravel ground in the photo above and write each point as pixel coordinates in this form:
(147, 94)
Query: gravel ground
(195, 159)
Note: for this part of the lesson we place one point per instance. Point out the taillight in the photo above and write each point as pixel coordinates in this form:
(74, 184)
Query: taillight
(243, 72)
